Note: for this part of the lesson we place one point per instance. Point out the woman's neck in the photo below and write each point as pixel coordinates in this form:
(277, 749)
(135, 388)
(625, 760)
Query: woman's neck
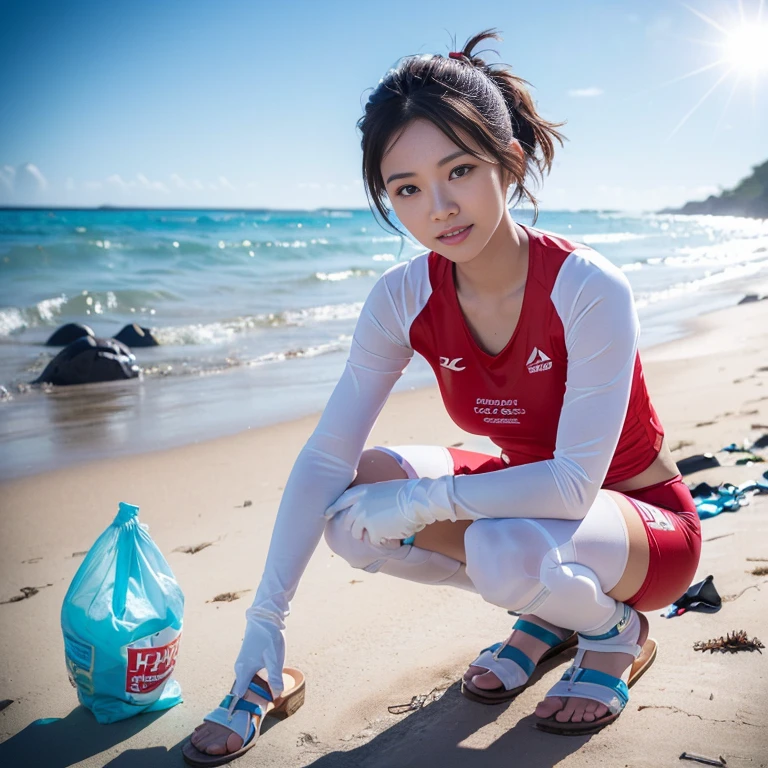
(500, 270)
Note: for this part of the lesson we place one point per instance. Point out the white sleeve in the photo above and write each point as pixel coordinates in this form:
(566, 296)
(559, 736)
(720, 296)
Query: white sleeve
(594, 301)
(326, 465)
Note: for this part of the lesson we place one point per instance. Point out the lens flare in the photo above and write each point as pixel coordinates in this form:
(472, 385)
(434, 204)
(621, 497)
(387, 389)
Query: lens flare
(746, 49)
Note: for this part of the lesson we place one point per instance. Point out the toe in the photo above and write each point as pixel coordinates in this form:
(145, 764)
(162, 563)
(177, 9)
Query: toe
(549, 706)
(590, 711)
(234, 742)
(579, 709)
(564, 715)
(472, 671)
(487, 681)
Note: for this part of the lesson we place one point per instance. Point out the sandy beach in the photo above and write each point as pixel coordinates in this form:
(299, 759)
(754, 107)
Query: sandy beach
(367, 641)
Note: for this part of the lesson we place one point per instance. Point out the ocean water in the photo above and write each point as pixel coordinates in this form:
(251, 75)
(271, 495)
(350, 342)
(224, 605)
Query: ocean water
(255, 310)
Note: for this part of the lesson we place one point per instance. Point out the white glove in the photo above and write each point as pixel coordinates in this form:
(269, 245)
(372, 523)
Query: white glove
(394, 509)
(263, 646)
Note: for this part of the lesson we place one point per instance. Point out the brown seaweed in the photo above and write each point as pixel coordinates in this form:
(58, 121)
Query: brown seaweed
(731, 643)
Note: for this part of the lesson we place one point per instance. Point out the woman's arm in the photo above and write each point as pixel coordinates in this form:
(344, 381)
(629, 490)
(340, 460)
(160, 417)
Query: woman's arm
(594, 301)
(324, 468)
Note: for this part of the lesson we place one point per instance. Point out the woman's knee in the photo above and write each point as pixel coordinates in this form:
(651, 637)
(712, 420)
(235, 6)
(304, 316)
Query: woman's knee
(376, 466)
(359, 554)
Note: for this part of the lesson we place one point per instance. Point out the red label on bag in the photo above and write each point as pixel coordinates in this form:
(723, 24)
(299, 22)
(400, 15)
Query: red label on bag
(149, 667)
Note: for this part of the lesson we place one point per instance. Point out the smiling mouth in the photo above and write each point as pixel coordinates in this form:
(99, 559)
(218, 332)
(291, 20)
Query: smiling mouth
(453, 234)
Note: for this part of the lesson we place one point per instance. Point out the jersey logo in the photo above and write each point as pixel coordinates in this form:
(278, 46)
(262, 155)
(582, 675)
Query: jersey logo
(538, 361)
(452, 365)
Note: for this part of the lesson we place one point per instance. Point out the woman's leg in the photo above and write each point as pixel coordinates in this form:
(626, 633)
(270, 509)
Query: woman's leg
(566, 573)
(609, 547)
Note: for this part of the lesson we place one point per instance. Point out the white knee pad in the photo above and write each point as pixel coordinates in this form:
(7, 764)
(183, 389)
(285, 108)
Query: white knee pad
(504, 557)
(556, 569)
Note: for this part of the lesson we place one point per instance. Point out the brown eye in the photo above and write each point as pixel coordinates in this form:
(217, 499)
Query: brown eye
(465, 168)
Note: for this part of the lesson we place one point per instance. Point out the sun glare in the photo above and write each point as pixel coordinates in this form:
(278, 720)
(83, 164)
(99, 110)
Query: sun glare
(746, 49)
(743, 54)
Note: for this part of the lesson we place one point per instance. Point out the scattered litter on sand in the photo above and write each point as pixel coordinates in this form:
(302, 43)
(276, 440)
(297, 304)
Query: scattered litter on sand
(26, 592)
(417, 702)
(193, 550)
(228, 597)
(706, 760)
(732, 642)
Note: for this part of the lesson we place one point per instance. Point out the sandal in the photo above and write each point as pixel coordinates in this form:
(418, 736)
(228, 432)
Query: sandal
(592, 684)
(245, 718)
(505, 662)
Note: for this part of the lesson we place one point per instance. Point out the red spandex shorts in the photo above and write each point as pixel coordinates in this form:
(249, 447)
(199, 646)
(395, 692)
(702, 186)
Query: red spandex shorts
(668, 514)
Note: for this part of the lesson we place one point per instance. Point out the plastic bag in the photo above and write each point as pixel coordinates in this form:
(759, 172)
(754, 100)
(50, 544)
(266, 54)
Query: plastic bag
(122, 619)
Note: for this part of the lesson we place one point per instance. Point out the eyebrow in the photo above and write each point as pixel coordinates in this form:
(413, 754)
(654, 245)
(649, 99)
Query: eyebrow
(439, 165)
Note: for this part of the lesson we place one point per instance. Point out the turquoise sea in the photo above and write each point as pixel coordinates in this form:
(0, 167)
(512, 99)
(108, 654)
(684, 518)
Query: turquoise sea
(255, 310)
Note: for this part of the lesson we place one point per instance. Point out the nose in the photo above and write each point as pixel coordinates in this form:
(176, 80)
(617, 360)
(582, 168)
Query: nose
(443, 204)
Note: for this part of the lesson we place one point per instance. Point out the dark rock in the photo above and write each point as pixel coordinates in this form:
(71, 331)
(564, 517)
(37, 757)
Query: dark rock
(750, 297)
(89, 359)
(135, 336)
(67, 334)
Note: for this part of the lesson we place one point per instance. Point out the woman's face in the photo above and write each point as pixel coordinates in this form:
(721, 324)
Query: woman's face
(434, 186)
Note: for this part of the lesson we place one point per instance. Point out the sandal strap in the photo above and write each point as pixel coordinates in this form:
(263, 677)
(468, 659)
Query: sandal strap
(259, 691)
(578, 682)
(506, 664)
(239, 721)
(550, 638)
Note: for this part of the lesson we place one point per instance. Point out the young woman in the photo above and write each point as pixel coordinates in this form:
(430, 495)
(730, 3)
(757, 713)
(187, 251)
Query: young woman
(582, 520)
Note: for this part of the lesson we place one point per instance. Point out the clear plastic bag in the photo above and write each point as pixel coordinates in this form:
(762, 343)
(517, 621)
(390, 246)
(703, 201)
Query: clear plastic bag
(122, 619)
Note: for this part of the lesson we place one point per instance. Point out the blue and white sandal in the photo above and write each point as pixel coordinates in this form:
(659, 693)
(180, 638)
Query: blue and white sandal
(245, 718)
(613, 692)
(511, 665)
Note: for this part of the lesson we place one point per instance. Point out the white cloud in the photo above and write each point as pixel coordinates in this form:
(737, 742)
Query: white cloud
(308, 185)
(585, 93)
(32, 170)
(178, 182)
(157, 186)
(225, 183)
(7, 176)
(197, 184)
(116, 180)
(93, 185)
(70, 184)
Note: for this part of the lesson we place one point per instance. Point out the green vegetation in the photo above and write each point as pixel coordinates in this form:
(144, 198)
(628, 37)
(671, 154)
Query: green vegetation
(748, 198)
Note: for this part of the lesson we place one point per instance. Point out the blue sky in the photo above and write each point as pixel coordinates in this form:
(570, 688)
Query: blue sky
(253, 104)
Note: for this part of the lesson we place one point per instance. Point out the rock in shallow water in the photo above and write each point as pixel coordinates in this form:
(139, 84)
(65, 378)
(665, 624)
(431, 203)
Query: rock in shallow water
(89, 359)
(135, 336)
(68, 333)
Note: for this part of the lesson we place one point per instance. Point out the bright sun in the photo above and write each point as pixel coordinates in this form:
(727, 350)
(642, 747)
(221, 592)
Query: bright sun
(746, 49)
(742, 53)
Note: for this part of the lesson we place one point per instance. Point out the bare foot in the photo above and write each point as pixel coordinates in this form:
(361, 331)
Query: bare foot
(533, 648)
(215, 739)
(578, 710)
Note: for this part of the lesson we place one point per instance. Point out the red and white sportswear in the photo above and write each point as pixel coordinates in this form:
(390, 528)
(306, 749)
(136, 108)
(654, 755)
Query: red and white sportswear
(565, 400)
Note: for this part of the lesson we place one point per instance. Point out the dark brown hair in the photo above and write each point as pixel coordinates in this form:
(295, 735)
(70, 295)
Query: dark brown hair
(487, 102)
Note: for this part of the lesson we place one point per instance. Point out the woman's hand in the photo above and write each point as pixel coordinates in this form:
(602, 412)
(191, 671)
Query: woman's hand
(380, 509)
(394, 509)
